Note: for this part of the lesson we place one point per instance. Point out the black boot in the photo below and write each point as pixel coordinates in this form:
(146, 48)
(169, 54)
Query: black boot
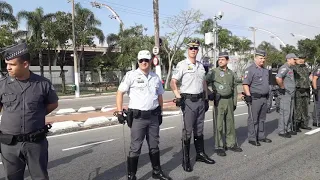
(186, 158)
(132, 167)
(157, 172)
(201, 155)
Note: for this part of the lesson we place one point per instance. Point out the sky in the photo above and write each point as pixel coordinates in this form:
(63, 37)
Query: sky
(236, 19)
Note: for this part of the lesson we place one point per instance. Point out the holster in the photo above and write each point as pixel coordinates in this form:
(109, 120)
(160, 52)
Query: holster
(6, 139)
(129, 118)
(217, 99)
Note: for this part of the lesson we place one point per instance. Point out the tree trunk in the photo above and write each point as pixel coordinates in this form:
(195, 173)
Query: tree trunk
(63, 80)
(40, 63)
(83, 66)
(49, 60)
(168, 75)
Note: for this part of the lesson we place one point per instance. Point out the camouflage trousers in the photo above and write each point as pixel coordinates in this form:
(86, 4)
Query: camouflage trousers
(301, 110)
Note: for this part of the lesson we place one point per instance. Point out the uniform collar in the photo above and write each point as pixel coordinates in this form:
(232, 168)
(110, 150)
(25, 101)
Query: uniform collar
(31, 78)
(256, 66)
(227, 69)
(189, 62)
(148, 76)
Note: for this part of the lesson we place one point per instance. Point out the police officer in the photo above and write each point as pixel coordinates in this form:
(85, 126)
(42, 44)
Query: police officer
(302, 95)
(224, 86)
(315, 91)
(273, 93)
(143, 117)
(26, 98)
(286, 82)
(256, 88)
(193, 102)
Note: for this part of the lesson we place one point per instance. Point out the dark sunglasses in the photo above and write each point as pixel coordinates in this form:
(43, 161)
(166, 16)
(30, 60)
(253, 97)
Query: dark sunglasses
(193, 48)
(144, 60)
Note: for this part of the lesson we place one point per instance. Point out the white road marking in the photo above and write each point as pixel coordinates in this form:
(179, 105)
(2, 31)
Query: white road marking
(76, 147)
(312, 131)
(118, 125)
(163, 129)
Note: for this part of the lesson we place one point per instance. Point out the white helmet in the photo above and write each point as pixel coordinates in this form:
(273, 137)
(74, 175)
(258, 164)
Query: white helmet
(144, 54)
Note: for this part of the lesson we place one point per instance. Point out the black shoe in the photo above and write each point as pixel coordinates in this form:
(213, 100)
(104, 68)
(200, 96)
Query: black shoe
(132, 167)
(220, 152)
(235, 148)
(186, 158)
(265, 140)
(157, 172)
(286, 135)
(293, 133)
(316, 125)
(305, 127)
(255, 143)
(201, 155)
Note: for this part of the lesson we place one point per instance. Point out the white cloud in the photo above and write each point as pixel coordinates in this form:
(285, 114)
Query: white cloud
(295, 10)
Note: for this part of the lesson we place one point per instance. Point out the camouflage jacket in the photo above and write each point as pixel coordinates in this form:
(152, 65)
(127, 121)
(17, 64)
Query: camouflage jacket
(301, 75)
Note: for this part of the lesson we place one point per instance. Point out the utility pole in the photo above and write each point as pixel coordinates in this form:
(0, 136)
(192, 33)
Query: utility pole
(215, 29)
(157, 35)
(75, 53)
(254, 40)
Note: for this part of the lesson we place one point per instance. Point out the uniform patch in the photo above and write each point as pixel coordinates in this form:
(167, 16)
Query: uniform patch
(246, 74)
(221, 87)
(221, 74)
(190, 67)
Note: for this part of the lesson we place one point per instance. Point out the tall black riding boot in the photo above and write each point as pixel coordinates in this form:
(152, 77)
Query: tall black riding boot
(132, 167)
(201, 155)
(186, 158)
(157, 172)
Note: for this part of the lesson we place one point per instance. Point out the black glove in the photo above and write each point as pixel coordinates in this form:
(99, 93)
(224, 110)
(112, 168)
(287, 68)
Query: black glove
(179, 102)
(282, 91)
(206, 105)
(121, 118)
(248, 99)
(211, 97)
(234, 108)
(217, 99)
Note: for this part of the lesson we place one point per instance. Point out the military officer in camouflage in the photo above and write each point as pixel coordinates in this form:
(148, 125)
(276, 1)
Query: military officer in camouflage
(224, 86)
(302, 96)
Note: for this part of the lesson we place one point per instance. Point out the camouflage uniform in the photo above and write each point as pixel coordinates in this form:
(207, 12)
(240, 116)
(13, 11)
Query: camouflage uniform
(302, 96)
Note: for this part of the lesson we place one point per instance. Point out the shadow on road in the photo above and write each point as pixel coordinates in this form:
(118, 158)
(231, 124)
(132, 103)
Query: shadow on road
(119, 171)
(242, 132)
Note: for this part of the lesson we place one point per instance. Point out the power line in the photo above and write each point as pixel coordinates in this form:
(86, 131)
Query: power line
(271, 15)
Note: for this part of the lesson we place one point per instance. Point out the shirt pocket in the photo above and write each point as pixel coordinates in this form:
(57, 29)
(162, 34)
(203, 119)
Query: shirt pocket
(35, 102)
(9, 100)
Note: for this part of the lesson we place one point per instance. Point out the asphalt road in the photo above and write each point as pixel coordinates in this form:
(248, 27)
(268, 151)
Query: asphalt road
(98, 101)
(98, 154)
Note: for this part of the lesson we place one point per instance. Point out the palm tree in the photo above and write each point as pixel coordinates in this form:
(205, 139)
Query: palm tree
(6, 15)
(85, 30)
(35, 25)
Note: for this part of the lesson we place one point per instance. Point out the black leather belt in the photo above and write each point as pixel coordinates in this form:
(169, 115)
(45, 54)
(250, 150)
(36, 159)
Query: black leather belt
(145, 114)
(192, 96)
(227, 97)
(256, 95)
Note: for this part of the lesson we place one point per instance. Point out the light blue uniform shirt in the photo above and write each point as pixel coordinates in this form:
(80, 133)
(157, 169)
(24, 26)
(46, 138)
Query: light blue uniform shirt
(143, 90)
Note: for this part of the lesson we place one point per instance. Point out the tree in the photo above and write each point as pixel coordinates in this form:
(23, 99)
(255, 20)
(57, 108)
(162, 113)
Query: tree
(35, 21)
(311, 48)
(243, 47)
(182, 26)
(205, 27)
(273, 54)
(6, 14)
(288, 49)
(224, 39)
(85, 31)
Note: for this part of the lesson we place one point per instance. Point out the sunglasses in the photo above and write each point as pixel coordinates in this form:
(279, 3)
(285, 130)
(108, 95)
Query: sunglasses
(144, 60)
(194, 48)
